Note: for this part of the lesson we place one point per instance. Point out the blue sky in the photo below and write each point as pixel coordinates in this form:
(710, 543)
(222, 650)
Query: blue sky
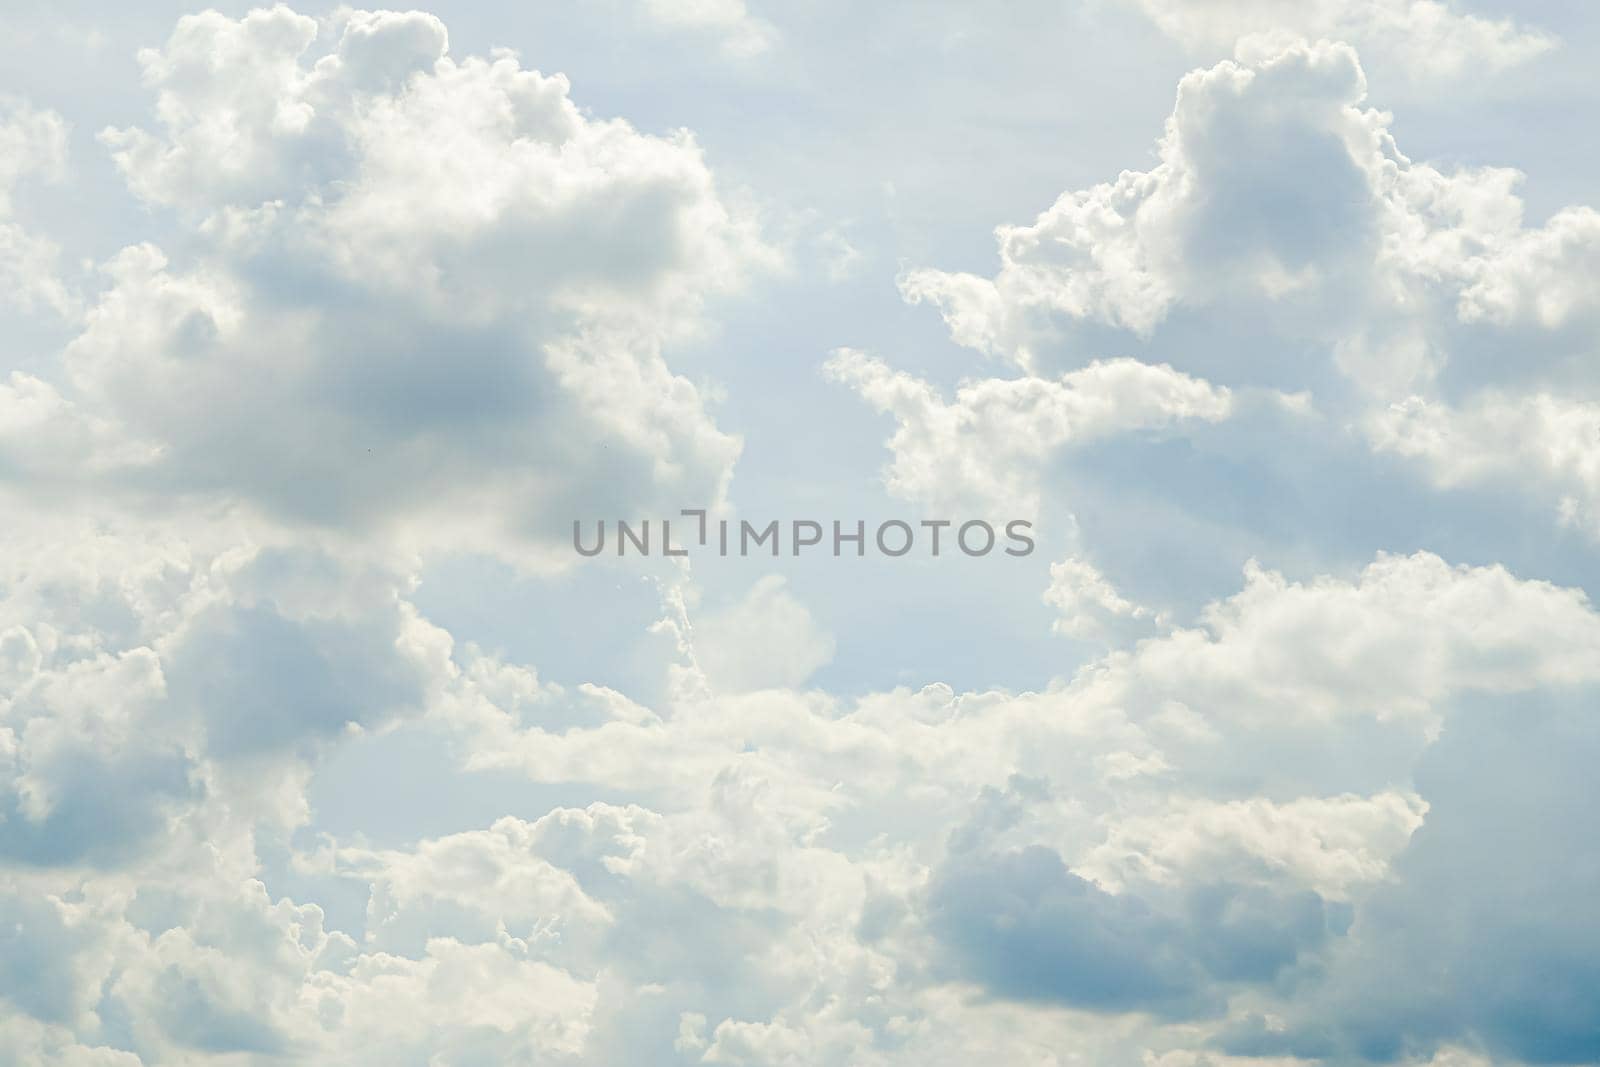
(320, 745)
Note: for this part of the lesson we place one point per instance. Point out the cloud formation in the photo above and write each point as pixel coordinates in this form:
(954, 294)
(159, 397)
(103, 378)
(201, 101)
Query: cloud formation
(1427, 38)
(33, 146)
(408, 273)
(315, 748)
(990, 445)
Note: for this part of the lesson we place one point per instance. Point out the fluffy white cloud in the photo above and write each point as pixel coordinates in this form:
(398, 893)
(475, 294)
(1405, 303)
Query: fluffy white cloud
(1394, 643)
(33, 145)
(741, 34)
(471, 886)
(1426, 38)
(1309, 660)
(244, 974)
(1328, 844)
(418, 286)
(27, 1040)
(1537, 443)
(990, 445)
(82, 777)
(766, 639)
(1089, 605)
(1132, 789)
(1385, 291)
(1209, 221)
(415, 302)
(1212, 225)
(879, 830)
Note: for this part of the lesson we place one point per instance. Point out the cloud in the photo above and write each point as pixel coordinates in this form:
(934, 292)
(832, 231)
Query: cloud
(1386, 292)
(242, 973)
(1406, 634)
(473, 886)
(454, 284)
(81, 779)
(813, 834)
(1089, 605)
(1472, 941)
(990, 445)
(1425, 38)
(33, 146)
(247, 974)
(765, 639)
(1214, 226)
(50, 957)
(1329, 845)
(742, 35)
(159, 691)
(1335, 809)
(1170, 819)
(1026, 926)
(27, 1040)
(1539, 444)
(1207, 221)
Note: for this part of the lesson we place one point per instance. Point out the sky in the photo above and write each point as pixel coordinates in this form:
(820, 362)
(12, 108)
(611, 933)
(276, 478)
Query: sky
(1272, 323)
